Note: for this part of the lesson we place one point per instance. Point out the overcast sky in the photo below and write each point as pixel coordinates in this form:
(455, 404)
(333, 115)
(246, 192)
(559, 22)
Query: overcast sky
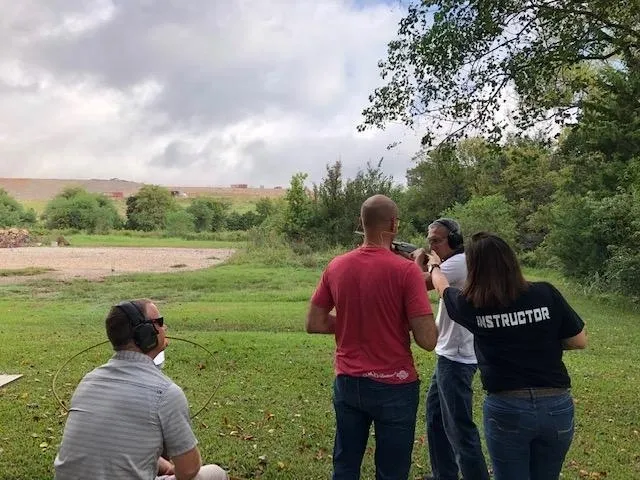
(193, 92)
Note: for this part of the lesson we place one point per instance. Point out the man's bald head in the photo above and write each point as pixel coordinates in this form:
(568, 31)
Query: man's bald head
(378, 213)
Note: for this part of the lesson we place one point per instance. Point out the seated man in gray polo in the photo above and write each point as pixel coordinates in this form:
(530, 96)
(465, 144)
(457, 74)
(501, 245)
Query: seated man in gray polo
(126, 413)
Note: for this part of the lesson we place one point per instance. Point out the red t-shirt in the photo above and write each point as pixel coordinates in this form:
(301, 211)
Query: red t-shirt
(375, 292)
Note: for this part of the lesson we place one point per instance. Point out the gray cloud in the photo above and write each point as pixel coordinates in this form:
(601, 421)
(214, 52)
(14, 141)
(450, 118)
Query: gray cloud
(198, 92)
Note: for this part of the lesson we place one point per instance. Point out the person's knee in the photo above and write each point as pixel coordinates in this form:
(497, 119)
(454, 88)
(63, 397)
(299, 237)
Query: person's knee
(211, 472)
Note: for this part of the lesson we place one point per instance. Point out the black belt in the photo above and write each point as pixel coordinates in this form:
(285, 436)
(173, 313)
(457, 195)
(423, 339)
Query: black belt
(532, 392)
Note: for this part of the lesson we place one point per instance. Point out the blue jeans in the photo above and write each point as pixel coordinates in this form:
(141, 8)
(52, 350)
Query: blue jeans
(360, 401)
(454, 441)
(528, 438)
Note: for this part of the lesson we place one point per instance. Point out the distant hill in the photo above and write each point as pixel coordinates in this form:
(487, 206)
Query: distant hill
(30, 189)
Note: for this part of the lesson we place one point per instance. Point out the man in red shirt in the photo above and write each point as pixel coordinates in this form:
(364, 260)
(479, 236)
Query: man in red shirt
(379, 297)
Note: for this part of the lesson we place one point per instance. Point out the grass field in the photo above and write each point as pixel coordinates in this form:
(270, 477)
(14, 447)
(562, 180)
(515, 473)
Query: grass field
(271, 415)
(119, 240)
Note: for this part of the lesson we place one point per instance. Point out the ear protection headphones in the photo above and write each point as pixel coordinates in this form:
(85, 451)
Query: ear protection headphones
(145, 335)
(454, 237)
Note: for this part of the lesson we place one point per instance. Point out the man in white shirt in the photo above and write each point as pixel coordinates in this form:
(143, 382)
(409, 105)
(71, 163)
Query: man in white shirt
(453, 438)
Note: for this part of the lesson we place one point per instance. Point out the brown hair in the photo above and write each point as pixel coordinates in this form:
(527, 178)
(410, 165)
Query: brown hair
(494, 278)
(118, 324)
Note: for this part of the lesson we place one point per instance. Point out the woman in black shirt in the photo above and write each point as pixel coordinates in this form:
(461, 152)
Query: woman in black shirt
(520, 331)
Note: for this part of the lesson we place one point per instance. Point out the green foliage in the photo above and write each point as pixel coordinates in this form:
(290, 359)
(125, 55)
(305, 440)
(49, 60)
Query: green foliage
(13, 214)
(148, 209)
(265, 207)
(209, 213)
(529, 179)
(601, 153)
(298, 213)
(179, 223)
(242, 221)
(75, 208)
(337, 202)
(491, 213)
(438, 181)
(454, 59)
(329, 215)
(592, 235)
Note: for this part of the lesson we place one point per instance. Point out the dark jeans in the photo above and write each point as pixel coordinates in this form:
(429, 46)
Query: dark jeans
(454, 441)
(528, 438)
(360, 401)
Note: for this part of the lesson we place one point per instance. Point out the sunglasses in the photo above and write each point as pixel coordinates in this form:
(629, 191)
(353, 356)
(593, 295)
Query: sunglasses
(158, 321)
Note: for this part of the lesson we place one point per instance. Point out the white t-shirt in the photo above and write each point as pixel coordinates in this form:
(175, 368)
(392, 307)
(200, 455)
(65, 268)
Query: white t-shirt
(159, 360)
(454, 341)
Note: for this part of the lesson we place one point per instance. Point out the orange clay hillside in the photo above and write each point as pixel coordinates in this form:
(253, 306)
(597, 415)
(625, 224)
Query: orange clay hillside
(36, 192)
(45, 189)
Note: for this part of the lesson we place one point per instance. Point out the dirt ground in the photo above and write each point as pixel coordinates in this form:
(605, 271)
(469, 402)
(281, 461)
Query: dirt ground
(97, 263)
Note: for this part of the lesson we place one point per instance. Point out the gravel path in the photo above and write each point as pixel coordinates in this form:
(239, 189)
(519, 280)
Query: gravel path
(97, 263)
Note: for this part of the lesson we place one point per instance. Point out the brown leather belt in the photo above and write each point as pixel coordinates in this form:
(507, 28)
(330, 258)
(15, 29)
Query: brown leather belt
(533, 392)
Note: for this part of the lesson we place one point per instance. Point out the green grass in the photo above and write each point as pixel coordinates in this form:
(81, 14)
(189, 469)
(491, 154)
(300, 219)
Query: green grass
(23, 272)
(271, 381)
(119, 240)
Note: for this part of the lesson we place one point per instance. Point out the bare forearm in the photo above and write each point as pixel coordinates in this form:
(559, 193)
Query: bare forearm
(321, 322)
(439, 281)
(330, 324)
(427, 280)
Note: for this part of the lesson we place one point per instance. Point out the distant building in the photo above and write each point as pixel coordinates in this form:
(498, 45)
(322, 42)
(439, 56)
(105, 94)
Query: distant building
(114, 194)
(178, 193)
(239, 185)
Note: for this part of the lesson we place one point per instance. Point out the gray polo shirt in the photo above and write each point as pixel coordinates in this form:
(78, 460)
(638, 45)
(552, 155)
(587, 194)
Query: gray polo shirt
(454, 341)
(122, 415)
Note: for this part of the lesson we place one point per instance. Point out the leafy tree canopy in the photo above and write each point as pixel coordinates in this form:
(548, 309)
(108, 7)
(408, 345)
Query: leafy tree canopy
(76, 208)
(454, 59)
(13, 213)
(148, 209)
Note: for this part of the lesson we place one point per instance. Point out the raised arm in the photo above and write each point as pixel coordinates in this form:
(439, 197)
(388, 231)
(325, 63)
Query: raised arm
(437, 278)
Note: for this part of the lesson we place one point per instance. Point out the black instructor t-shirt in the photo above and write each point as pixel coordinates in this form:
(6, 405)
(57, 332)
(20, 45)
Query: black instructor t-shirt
(519, 346)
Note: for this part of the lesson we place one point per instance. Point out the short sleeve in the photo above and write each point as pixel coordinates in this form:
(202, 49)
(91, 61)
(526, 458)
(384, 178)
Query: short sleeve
(416, 298)
(454, 270)
(571, 324)
(457, 308)
(173, 413)
(322, 296)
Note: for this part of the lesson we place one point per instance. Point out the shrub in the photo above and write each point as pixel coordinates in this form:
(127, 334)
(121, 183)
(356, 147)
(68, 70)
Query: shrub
(491, 213)
(78, 209)
(13, 214)
(179, 223)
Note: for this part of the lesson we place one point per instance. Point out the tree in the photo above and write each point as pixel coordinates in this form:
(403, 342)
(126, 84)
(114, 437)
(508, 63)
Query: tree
(76, 208)
(529, 180)
(242, 221)
(298, 213)
(179, 223)
(265, 207)
(337, 202)
(438, 181)
(491, 213)
(12, 213)
(147, 210)
(601, 153)
(454, 60)
(210, 214)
